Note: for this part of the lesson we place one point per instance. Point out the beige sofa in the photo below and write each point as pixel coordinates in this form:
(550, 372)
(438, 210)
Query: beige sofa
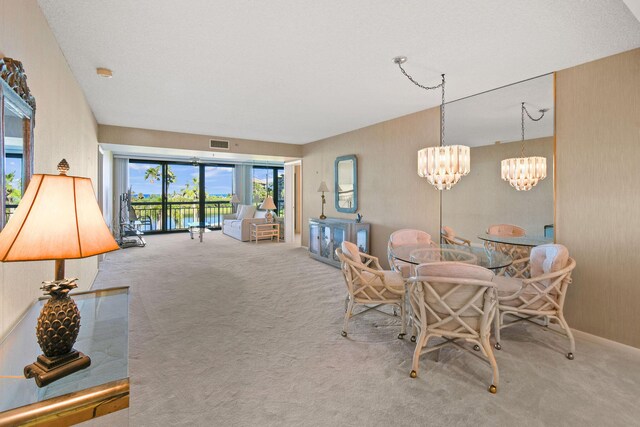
(238, 225)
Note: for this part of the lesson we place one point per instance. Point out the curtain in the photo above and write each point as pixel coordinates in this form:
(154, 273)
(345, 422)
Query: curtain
(120, 187)
(243, 184)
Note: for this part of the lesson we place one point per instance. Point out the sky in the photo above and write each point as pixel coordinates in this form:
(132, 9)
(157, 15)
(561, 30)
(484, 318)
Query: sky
(13, 164)
(218, 180)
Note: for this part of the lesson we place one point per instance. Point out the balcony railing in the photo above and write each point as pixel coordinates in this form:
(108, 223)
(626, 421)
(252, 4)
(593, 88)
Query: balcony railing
(179, 214)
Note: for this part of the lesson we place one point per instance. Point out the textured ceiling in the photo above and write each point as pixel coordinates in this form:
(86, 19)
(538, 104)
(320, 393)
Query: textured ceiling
(300, 70)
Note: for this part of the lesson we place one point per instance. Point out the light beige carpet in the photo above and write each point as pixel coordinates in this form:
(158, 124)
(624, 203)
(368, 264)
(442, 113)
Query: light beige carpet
(232, 333)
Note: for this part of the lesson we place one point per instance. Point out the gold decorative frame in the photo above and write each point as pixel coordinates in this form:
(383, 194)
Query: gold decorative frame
(72, 408)
(13, 73)
(15, 93)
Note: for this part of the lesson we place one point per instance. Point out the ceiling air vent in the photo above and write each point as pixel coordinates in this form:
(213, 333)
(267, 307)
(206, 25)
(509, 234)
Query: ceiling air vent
(218, 144)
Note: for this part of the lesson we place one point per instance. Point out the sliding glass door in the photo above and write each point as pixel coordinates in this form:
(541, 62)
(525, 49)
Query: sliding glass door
(147, 195)
(269, 181)
(217, 191)
(168, 196)
(183, 195)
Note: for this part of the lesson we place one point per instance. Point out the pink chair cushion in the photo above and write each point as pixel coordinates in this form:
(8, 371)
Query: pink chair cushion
(392, 280)
(350, 250)
(409, 237)
(461, 296)
(506, 230)
(455, 269)
(548, 259)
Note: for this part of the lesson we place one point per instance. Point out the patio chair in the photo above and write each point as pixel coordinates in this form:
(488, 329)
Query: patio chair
(540, 296)
(454, 301)
(369, 285)
(130, 234)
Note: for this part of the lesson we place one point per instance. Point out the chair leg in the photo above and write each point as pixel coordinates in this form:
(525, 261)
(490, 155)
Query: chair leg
(567, 330)
(498, 325)
(422, 340)
(403, 319)
(486, 345)
(347, 316)
(414, 330)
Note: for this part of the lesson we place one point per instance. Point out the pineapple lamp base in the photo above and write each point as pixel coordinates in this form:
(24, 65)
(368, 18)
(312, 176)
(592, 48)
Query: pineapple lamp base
(57, 331)
(46, 370)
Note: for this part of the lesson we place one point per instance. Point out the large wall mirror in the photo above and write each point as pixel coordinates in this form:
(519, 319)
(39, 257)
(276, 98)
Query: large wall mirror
(491, 124)
(17, 108)
(346, 184)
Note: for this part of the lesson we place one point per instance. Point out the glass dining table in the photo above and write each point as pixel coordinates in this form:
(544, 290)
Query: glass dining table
(424, 253)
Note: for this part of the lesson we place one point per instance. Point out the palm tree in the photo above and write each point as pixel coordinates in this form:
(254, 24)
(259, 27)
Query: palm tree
(191, 189)
(153, 174)
(13, 188)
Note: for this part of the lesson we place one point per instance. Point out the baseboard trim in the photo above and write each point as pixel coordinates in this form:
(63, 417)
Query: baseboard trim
(597, 340)
(605, 341)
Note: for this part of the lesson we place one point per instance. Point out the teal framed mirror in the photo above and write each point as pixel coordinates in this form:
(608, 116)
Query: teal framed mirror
(346, 184)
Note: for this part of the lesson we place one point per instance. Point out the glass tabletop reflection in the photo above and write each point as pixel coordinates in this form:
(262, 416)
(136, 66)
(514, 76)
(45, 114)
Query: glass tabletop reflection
(517, 241)
(103, 337)
(422, 253)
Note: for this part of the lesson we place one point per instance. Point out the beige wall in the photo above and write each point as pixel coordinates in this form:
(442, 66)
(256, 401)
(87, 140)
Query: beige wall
(391, 195)
(65, 127)
(494, 201)
(597, 187)
(186, 141)
(598, 193)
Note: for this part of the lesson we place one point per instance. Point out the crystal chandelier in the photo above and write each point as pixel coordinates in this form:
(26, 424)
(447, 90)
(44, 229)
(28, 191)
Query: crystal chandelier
(523, 173)
(443, 166)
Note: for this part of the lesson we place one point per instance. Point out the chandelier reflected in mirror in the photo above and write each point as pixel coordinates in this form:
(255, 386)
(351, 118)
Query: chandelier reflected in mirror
(442, 166)
(524, 173)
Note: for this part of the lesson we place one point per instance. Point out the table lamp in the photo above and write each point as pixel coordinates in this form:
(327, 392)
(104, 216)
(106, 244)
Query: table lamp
(58, 218)
(268, 205)
(235, 200)
(323, 187)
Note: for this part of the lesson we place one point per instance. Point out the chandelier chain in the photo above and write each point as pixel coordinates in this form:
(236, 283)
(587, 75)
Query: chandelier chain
(442, 115)
(523, 111)
(441, 85)
(418, 84)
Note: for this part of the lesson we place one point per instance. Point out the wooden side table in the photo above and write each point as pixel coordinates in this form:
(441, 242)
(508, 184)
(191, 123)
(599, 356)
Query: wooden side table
(268, 229)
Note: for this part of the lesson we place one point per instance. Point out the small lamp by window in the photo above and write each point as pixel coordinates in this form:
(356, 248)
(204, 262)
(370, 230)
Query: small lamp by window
(268, 204)
(235, 200)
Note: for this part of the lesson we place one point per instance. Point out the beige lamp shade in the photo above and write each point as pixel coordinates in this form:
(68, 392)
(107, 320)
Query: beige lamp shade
(58, 218)
(323, 188)
(268, 204)
(235, 199)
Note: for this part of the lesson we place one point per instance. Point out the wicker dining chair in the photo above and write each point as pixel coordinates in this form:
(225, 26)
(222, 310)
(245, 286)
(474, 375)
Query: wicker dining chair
(506, 230)
(370, 286)
(519, 253)
(448, 237)
(406, 236)
(540, 296)
(454, 301)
